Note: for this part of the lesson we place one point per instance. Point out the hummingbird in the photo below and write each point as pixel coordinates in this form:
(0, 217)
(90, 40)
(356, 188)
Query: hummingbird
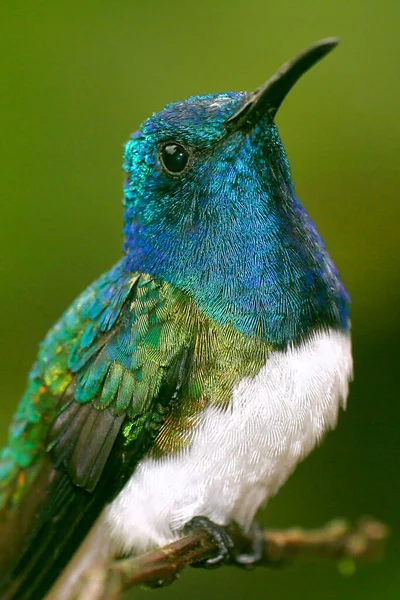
(182, 388)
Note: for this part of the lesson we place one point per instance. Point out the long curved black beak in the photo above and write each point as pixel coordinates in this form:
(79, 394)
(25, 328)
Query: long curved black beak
(266, 100)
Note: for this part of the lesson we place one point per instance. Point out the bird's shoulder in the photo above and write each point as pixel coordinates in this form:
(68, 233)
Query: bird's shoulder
(109, 351)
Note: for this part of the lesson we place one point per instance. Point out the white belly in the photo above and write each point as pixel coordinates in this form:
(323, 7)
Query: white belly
(239, 457)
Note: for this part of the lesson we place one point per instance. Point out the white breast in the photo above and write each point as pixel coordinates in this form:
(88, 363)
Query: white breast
(239, 457)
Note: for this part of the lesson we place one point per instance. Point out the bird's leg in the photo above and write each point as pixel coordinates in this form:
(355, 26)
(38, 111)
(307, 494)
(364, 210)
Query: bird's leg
(234, 547)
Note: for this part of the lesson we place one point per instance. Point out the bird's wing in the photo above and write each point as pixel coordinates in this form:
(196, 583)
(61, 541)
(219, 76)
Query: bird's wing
(106, 378)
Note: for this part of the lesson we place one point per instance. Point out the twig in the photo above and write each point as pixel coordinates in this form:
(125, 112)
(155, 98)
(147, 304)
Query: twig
(336, 540)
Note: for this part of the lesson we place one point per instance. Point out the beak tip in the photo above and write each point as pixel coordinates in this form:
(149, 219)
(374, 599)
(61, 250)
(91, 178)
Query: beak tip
(268, 98)
(330, 41)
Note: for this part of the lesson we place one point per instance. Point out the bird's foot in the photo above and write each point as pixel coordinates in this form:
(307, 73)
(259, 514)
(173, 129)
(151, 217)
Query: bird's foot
(246, 551)
(221, 538)
(249, 547)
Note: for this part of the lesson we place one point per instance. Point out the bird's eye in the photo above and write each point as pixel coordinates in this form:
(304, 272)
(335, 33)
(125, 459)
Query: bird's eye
(174, 158)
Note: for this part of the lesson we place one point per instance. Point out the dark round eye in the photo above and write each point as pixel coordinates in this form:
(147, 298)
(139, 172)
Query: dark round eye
(174, 157)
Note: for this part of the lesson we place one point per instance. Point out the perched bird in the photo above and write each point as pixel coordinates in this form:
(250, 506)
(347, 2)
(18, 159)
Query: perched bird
(184, 385)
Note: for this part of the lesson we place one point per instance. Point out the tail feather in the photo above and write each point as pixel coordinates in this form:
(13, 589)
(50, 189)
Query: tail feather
(34, 556)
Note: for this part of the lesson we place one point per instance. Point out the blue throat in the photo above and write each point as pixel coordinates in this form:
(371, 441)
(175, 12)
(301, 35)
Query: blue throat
(231, 233)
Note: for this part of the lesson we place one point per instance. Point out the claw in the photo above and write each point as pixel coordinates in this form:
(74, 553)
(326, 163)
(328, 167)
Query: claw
(255, 553)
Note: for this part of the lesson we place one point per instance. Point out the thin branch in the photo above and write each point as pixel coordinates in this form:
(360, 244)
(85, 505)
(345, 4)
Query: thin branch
(336, 540)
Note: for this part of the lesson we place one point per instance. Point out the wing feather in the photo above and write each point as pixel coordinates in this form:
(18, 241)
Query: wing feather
(96, 400)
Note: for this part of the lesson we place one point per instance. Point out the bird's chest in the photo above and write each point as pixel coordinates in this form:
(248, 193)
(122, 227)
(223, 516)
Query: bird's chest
(239, 456)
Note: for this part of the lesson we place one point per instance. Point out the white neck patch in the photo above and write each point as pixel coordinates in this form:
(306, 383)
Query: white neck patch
(241, 456)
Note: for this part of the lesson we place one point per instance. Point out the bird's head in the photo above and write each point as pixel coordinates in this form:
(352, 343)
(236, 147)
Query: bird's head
(210, 208)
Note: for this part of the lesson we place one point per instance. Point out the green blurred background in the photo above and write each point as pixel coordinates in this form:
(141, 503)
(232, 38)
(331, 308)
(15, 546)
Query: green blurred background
(78, 77)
